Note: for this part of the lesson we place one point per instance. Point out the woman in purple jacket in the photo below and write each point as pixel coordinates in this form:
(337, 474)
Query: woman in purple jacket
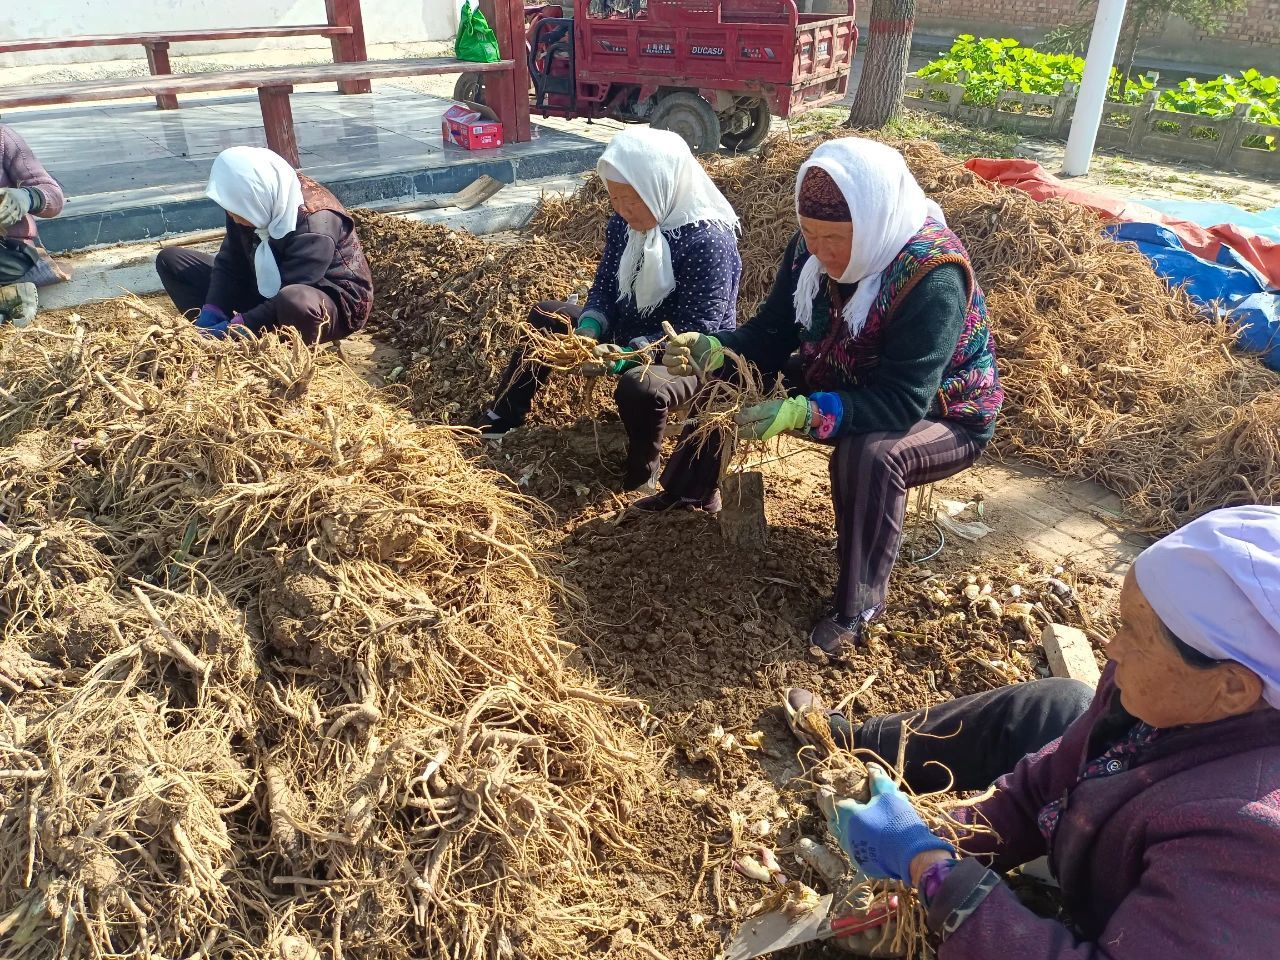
(670, 255)
(1159, 807)
(26, 191)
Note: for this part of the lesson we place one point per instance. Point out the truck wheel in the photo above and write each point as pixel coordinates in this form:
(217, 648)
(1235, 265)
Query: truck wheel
(691, 117)
(758, 118)
(470, 87)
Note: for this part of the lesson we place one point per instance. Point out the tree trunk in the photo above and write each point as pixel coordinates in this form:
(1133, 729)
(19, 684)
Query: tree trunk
(1128, 54)
(884, 71)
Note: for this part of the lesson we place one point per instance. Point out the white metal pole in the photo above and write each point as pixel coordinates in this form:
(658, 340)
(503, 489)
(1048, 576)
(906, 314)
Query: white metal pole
(1093, 87)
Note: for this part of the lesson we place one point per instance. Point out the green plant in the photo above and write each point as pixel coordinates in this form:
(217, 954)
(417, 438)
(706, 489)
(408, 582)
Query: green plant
(990, 66)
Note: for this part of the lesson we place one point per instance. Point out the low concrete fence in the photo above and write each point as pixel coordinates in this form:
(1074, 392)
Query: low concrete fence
(1141, 129)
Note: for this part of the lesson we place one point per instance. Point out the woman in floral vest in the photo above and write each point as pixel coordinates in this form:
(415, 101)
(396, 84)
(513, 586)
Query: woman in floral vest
(880, 329)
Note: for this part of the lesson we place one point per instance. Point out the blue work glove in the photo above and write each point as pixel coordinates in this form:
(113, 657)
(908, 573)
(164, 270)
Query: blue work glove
(766, 420)
(211, 317)
(884, 834)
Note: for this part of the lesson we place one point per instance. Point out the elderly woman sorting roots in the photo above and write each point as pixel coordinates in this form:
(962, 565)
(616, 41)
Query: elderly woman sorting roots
(880, 327)
(291, 257)
(26, 191)
(1159, 807)
(670, 254)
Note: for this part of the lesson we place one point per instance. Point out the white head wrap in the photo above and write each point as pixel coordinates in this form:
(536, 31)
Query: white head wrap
(887, 207)
(258, 185)
(1215, 583)
(658, 165)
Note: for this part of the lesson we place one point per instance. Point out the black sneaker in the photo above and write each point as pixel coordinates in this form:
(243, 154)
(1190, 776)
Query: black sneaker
(835, 633)
(666, 500)
(646, 479)
(492, 426)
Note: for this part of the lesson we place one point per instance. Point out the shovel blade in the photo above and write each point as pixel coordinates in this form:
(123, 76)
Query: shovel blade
(776, 931)
(742, 520)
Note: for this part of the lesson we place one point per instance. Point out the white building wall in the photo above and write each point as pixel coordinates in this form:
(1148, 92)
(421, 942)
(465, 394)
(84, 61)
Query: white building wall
(385, 21)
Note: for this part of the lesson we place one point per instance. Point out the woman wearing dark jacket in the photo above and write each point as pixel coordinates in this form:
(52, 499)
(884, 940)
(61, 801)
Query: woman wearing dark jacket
(291, 257)
(1158, 808)
(671, 254)
(881, 328)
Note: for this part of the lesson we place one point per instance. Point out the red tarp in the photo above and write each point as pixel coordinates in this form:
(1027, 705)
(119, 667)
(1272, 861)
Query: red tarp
(1031, 178)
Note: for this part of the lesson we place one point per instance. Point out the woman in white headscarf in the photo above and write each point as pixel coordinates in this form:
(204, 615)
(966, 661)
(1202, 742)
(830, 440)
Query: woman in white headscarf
(880, 326)
(291, 257)
(1157, 804)
(671, 254)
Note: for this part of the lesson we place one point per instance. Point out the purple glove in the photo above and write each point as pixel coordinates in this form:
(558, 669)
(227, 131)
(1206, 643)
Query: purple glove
(885, 834)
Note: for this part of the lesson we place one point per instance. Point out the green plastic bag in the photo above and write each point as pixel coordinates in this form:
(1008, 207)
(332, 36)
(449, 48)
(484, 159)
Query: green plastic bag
(476, 41)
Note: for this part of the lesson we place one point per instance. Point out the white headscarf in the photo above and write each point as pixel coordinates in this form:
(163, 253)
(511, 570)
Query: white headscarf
(677, 191)
(1215, 583)
(887, 207)
(260, 186)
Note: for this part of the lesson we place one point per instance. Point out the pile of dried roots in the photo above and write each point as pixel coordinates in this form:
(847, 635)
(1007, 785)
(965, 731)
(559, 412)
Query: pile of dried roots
(281, 675)
(1110, 375)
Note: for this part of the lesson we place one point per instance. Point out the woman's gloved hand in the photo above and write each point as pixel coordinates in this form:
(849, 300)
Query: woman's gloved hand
(211, 316)
(691, 354)
(15, 203)
(19, 303)
(766, 420)
(610, 360)
(885, 834)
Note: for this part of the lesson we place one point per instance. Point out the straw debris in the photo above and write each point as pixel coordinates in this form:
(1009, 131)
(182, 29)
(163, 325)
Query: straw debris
(281, 671)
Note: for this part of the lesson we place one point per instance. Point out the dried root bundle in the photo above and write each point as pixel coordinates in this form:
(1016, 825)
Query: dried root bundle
(281, 674)
(737, 387)
(843, 774)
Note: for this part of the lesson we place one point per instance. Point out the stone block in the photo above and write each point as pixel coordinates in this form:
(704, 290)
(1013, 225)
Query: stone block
(1070, 654)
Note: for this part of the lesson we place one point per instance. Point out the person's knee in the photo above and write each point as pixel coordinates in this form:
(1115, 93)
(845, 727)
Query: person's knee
(861, 456)
(546, 315)
(168, 261)
(635, 393)
(298, 303)
(1065, 700)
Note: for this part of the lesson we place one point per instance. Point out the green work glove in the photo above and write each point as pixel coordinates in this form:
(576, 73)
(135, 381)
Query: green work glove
(15, 203)
(691, 354)
(611, 360)
(766, 420)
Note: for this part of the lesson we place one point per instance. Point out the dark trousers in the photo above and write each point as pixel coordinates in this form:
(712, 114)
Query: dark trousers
(645, 395)
(870, 476)
(185, 275)
(970, 742)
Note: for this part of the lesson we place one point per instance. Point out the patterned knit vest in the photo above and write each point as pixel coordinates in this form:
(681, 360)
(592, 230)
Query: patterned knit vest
(970, 391)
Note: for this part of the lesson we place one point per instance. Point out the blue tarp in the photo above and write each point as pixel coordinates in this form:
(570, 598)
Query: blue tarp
(1210, 213)
(1232, 281)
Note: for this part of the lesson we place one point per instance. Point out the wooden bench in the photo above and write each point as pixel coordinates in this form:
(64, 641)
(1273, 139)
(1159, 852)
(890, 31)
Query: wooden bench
(345, 30)
(274, 86)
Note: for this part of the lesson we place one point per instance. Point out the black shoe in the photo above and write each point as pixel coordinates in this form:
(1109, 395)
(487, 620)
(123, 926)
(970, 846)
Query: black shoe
(492, 426)
(645, 477)
(666, 500)
(835, 633)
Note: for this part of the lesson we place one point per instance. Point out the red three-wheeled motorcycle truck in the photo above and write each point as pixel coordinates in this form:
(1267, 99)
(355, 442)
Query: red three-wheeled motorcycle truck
(713, 71)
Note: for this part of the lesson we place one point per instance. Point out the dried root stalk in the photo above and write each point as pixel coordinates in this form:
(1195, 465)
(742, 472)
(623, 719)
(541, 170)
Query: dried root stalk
(280, 670)
(736, 387)
(844, 774)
